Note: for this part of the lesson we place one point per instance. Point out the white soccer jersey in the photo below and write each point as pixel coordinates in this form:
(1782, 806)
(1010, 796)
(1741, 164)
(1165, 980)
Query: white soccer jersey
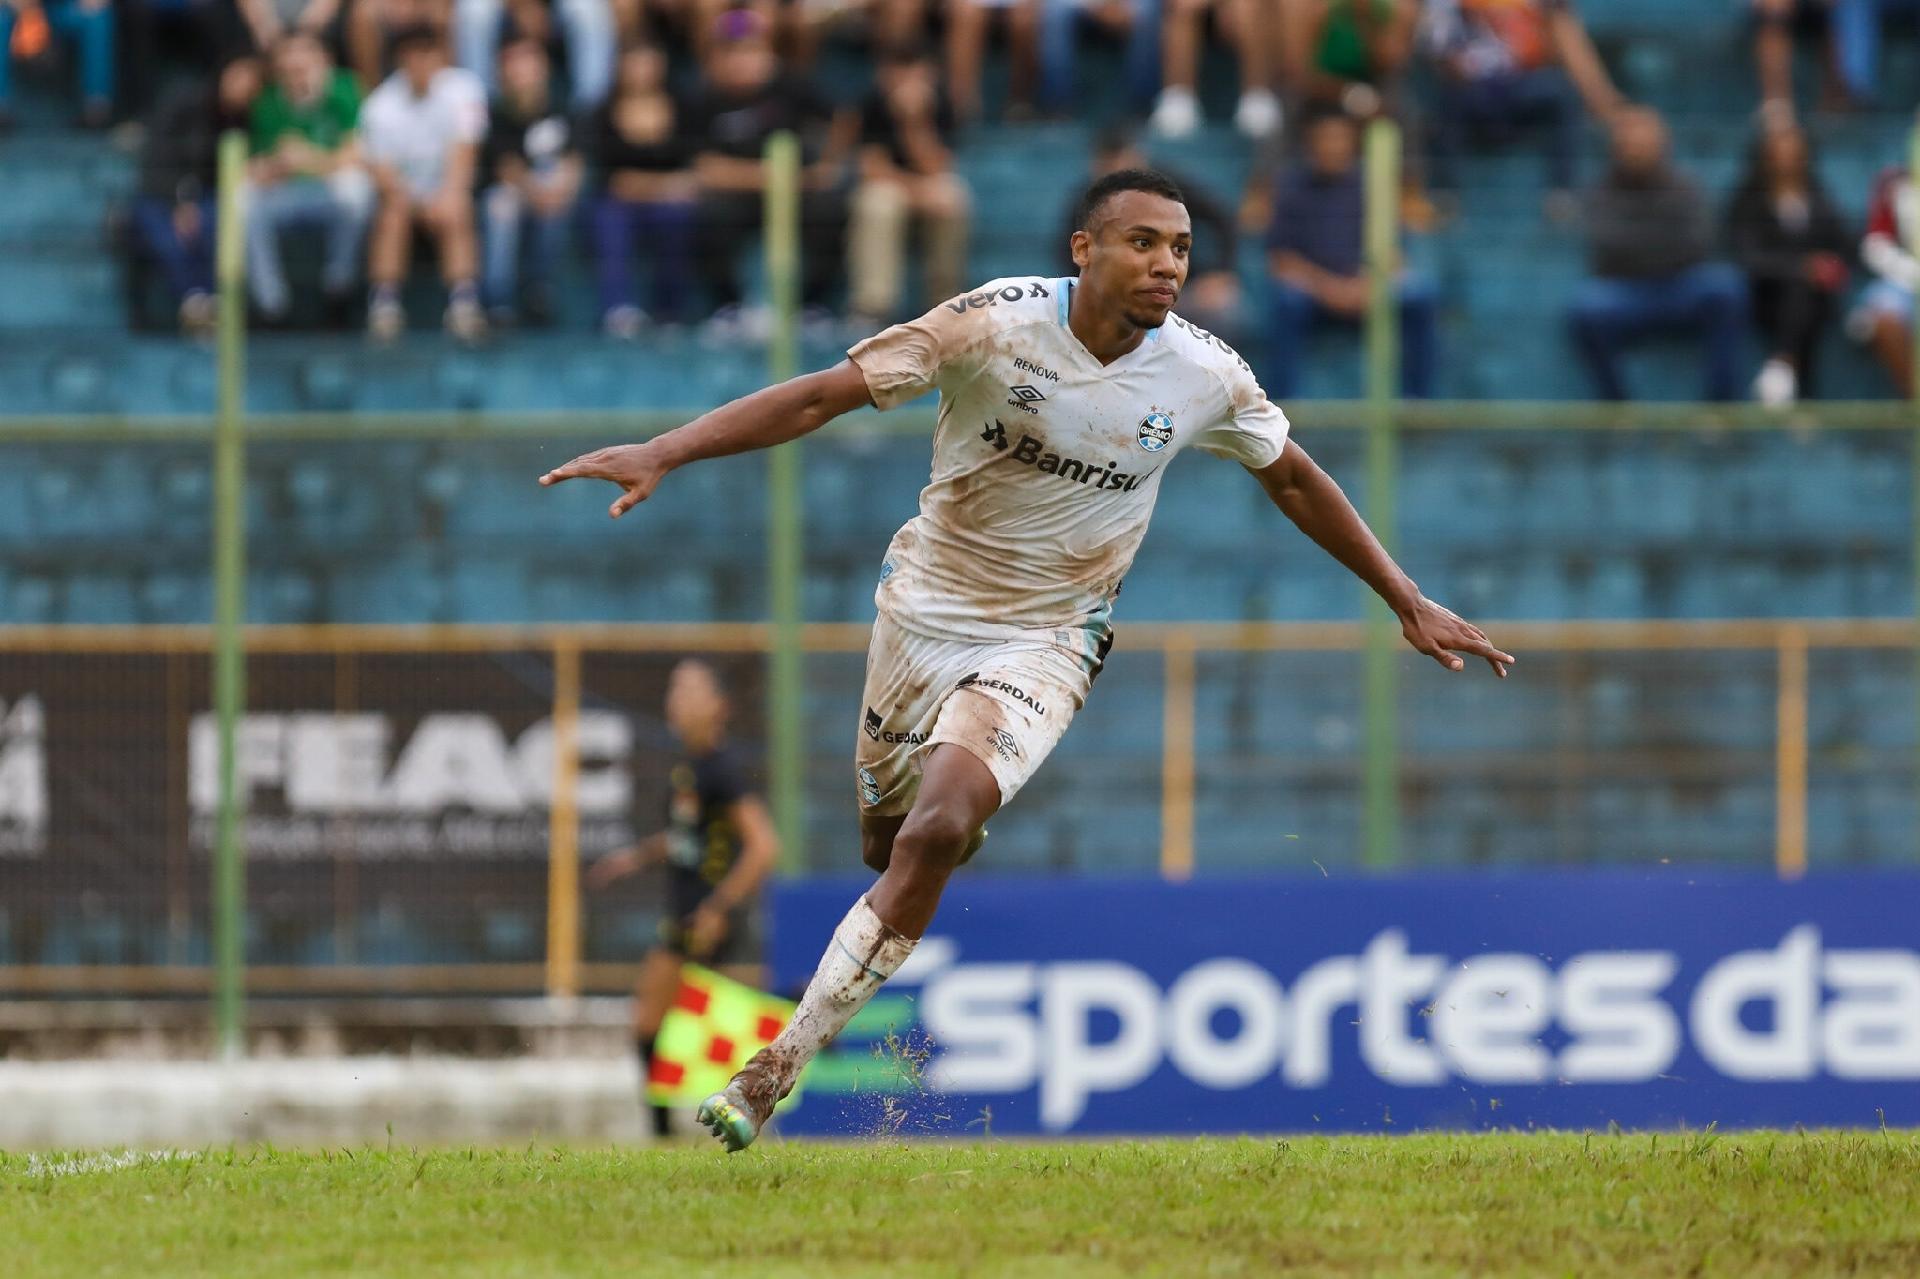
(1046, 463)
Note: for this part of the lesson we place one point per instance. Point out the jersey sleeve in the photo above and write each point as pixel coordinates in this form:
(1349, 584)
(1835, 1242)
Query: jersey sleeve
(725, 780)
(908, 360)
(1252, 431)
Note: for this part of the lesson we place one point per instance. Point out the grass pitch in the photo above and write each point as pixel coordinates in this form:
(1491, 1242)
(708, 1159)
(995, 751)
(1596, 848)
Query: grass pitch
(1500, 1203)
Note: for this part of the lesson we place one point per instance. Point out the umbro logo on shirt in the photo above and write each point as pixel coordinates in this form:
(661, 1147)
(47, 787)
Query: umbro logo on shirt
(1025, 397)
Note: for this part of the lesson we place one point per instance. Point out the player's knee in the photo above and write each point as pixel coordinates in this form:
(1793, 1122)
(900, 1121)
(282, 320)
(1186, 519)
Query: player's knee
(934, 835)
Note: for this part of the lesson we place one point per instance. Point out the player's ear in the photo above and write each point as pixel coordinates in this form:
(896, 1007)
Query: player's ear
(1082, 247)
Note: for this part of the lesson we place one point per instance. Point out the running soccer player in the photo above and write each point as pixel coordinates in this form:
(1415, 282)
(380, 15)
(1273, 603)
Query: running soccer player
(717, 844)
(1062, 402)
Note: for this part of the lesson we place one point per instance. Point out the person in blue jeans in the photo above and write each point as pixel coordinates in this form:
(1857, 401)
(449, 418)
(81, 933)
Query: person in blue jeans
(531, 172)
(1853, 34)
(1314, 257)
(89, 24)
(644, 153)
(172, 213)
(1650, 236)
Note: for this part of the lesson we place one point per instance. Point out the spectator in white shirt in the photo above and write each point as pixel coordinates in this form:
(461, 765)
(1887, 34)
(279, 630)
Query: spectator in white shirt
(421, 131)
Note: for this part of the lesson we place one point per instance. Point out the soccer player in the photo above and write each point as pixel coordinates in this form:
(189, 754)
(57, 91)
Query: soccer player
(718, 845)
(1062, 402)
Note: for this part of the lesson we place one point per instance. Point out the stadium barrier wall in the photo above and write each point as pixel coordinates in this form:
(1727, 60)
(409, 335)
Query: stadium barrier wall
(1570, 1000)
(411, 795)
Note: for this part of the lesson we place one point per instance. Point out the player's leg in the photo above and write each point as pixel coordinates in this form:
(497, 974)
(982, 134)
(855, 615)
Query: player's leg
(877, 834)
(652, 995)
(957, 795)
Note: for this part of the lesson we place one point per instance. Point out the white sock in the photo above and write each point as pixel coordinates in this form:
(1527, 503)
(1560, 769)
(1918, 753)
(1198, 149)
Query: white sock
(863, 953)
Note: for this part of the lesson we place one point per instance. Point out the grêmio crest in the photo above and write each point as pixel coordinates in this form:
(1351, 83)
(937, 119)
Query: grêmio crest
(1156, 432)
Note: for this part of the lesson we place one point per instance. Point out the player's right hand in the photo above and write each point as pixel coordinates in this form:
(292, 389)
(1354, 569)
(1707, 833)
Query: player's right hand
(636, 468)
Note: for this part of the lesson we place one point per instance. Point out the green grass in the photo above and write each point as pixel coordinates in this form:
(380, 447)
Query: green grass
(1502, 1203)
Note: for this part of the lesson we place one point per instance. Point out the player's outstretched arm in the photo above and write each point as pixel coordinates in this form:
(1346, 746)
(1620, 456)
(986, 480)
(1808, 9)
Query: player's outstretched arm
(761, 420)
(1308, 496)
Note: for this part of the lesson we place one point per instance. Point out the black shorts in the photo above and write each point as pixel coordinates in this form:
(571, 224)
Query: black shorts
(741, 946)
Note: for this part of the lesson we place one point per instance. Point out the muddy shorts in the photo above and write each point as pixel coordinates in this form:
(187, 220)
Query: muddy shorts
(1006, 702)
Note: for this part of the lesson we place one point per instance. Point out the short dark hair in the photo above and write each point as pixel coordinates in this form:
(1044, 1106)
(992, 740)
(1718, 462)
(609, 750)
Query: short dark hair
(1152, 181)
(415, 35)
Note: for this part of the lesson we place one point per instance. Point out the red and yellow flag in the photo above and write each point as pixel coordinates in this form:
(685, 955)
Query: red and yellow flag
(715, 1024)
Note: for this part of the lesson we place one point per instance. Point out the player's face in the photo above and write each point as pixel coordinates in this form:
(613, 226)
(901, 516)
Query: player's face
(1135, 258)
(696, 707)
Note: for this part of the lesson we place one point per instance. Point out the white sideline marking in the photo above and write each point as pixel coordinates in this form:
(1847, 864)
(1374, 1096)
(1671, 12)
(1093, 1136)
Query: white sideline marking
(38, 1167)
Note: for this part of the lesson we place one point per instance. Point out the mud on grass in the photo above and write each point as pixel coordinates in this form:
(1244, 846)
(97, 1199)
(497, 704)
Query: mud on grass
(1500, 1203)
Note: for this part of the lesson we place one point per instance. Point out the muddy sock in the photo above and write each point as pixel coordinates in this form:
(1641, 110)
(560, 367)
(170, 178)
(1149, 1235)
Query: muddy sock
(863, 953)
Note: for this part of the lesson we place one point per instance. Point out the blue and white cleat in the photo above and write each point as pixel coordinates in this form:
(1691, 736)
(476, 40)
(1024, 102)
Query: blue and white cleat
(738, 1112)
(727, 1115)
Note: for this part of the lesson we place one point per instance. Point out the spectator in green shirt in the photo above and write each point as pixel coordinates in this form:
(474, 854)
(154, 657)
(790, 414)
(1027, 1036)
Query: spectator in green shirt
(306, 172)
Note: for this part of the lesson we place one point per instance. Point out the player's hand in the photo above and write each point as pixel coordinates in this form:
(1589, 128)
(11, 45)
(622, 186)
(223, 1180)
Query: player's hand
(1441, 633)
(706, 929)
(636, 468)
(611, 867)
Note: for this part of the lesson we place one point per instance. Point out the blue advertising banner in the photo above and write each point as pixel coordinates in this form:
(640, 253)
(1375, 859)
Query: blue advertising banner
(1566, 1000)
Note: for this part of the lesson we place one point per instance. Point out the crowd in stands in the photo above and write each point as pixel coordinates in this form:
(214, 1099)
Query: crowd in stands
(499, 134)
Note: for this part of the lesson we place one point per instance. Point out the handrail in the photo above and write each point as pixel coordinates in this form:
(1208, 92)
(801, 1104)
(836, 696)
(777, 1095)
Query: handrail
(1309, 415)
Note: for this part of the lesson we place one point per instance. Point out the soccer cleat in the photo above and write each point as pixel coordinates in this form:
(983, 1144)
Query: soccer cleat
(738, 1112)
(727, 1117)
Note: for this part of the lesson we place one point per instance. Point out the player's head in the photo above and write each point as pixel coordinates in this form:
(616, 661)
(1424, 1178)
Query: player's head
(420, 51)
(696, 703)
(1131, 239)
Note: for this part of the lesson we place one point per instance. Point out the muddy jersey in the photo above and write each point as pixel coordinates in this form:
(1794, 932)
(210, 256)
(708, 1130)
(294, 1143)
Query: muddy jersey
(1046, 463)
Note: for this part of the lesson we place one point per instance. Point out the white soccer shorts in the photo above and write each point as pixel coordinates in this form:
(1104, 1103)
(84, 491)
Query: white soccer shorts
(1006, 702)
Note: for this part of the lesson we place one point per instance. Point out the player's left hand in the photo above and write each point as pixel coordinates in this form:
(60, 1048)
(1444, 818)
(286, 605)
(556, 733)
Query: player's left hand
(636, 468)
(706, 929)
(1441, 633)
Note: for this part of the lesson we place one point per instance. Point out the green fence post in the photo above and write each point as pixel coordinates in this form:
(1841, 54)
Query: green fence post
(229, 582)
(1381, 817)
(785, 687)
(1913, 395)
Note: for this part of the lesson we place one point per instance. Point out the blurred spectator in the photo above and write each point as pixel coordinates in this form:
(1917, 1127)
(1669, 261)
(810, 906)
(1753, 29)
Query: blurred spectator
(746, 99)
(1852, 30)
(644, 151)
(532, 173)
(1347, 51)
(1211, 297)
(422, 130)
(179, 180)
(1884, 319)
(1507, 65)
(1650, 237)
(26, 32)
(373, 26)
(1249, 26)
(1135, 23)
(268, 20)
(586, 25)
(906, 178)
(1788, 237)
(201, 34)
(305, 172)
(1314, 253)
(968, 22)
